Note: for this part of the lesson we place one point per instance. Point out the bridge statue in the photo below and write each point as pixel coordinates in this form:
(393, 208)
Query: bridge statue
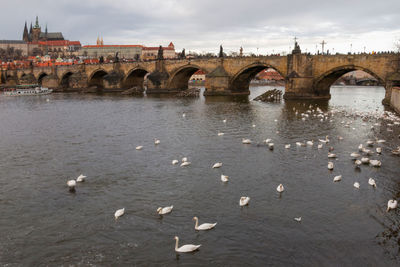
(221, 51)
(160, 54)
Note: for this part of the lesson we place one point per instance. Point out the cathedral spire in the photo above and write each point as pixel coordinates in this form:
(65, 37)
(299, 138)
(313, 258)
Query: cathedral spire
(37, 23)
(25, 35)
(30, 29)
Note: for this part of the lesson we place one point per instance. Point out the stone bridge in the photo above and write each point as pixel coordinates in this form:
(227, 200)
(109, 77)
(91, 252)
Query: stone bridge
(306, 76)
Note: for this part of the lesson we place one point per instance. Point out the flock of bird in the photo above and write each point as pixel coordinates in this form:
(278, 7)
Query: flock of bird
(361, 157)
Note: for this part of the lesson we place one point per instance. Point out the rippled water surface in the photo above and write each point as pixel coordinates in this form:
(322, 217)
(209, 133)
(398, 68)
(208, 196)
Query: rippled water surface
(45, 143)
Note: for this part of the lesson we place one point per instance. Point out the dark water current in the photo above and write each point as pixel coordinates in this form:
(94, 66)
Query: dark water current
(45, 143)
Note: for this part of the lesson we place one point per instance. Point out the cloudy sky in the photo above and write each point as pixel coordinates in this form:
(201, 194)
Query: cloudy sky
(265, 26)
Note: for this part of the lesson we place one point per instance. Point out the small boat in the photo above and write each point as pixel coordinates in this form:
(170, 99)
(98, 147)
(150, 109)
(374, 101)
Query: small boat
(30, 89)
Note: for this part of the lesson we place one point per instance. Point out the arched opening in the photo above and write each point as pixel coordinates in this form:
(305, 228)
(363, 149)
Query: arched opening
(64, 83)
(256, 76)
(135, 78)
(97, 79)
(181, 79)
(350, 86)
(41, 76)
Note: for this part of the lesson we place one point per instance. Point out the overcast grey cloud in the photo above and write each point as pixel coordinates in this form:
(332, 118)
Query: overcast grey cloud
(266, 26)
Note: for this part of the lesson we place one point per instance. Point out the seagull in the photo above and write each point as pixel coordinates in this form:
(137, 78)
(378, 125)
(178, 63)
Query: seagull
(354, 155)
(379, 150)
(119, 213)
(244, 201)
(139, 147)
(183, 115)
(337, 178)
(184, 159)
(268, 140)
(254, 126)
(280, 188)
(392, 204)
(164, 210)
(381, 141)
(330, 165)
(156, 141)
(175, 161)
(224, 120)
(287, 146)
(71, 185)
(220, 134)
(224, 178)
(298, 219)
(370, 143)
(360, 147)
(371, 181)
(357, 185)
(217, 165)
(81, 178)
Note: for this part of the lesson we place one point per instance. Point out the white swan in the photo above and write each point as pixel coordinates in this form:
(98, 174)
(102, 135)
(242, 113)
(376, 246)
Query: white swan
(185, 248)
(392, 204)
(71, 185)
(337, 178)
(81, 178)
(287, 146)
(175, 161)
(370, 143)
(375, 163)
(320, 146)
(139, 147)
(203, 226)
(271, 146)
(184, 159)
(164, 210)
(280, 188)
(310, 143)
(331, 155)
(246, 141)
(358, 163)
(371, 181)
(244, 201)
(185, 163)
(157, 141)
(365, 160)
(119, 213)
(330, 165)
(224, 178)
(356, 185)
(217, 165)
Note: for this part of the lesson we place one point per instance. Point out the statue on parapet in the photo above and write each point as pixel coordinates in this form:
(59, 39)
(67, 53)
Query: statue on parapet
(241, 52)
(116, 59)
(221, 51)
(160, 55)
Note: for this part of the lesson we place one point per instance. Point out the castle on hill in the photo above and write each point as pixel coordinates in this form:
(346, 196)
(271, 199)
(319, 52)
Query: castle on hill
(35, 34)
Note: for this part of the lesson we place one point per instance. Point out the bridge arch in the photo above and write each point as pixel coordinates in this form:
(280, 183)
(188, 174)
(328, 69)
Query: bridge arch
(324, 81)
(135, 78)
(41, 76)
(64, 81)
(240, 82)
(180, 77)
(96, 78)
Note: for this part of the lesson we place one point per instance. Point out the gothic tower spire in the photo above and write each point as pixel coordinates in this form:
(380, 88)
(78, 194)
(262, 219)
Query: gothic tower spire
(37, 22)
(25, 36)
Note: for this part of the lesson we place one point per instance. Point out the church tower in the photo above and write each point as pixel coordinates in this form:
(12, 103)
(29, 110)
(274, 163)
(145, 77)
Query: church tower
(25, 36)
(36, 31)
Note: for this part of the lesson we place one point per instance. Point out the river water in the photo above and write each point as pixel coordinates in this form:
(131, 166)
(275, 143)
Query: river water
(46, 142)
